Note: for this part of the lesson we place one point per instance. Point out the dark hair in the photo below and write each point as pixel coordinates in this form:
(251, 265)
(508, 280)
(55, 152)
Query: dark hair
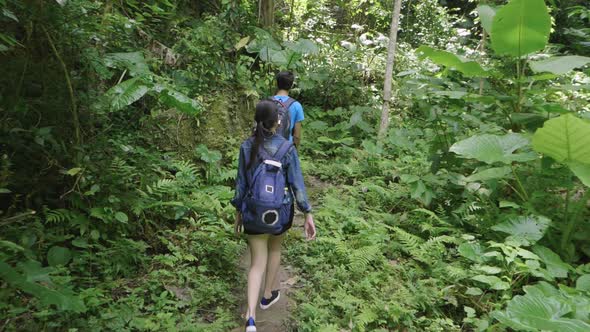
(285, 80)
(267, 116)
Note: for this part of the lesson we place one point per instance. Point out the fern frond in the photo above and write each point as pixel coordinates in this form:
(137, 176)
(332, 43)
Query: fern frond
(122, 169)
(367, 316)
(186, 169)
(410, 242)
(455, 273)
(59, 215)
(163, 186)
(359, 259)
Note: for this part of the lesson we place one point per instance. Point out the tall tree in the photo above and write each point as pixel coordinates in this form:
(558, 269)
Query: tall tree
(389, 68)
(266, 13)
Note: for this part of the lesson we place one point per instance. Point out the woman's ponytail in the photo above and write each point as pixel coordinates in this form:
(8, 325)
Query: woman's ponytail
(267, 116)
(258, 141)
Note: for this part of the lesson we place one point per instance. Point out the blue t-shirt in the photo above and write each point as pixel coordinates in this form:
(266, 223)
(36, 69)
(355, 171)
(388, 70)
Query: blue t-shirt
(296, 111)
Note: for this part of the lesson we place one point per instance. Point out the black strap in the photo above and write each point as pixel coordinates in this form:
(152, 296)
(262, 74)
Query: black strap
(287, 103)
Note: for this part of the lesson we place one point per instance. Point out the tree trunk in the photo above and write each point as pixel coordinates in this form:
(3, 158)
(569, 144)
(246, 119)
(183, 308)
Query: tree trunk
(266, 13)
(482, 47)
(389, 69)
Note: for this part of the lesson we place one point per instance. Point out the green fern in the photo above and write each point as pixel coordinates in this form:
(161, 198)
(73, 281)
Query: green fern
(359, 259)
(162, 186)
(186, 170)
(431, 250)
(455, 273)
(367, 316)
(59, 216)
(410, 242)
(122, 169)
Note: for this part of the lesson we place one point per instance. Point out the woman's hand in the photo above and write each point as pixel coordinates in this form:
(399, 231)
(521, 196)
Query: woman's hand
(309, 227)
(238, 223)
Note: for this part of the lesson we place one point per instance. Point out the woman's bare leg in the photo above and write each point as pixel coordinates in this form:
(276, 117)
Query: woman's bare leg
(258, 256)
(273, 262)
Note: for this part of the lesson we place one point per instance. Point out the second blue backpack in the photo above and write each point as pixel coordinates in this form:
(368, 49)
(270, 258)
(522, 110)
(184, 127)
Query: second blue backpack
(266, 209)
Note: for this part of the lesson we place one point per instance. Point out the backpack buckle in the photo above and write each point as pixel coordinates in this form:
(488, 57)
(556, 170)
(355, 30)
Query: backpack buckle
(273, 163)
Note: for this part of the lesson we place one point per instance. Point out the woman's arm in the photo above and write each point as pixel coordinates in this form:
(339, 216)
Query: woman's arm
(240, 182)
(295, 180)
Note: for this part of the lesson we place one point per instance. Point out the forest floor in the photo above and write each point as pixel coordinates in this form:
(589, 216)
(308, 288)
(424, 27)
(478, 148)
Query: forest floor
(276, 318)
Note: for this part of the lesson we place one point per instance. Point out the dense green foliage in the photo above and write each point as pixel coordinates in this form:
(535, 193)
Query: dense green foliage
(120, 126)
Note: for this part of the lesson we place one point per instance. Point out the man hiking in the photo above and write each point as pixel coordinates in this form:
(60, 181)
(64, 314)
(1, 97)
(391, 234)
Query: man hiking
(285, 81)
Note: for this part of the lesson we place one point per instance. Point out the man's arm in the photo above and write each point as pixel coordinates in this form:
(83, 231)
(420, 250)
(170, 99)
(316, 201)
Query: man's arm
(297, 134)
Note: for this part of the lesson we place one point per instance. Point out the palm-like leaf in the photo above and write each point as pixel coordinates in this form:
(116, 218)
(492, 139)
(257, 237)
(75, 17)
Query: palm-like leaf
(529, 229)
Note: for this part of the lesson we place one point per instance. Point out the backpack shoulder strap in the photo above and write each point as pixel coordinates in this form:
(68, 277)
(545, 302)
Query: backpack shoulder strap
(289, 102)
(282, 150)
(263, 154)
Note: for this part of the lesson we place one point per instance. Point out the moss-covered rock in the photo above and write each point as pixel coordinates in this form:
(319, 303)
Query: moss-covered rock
(225, 115)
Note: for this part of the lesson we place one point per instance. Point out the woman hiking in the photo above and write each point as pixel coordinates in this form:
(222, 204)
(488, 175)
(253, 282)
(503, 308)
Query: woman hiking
(269, 179)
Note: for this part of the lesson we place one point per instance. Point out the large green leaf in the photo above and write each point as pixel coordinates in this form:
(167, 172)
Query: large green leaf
(303, 46)
(58, 256)
(565, 139)
(450, 60)
(521, 27)
(206, 155)
(493, 148)
(263, 42)
(282, 58)
(175, 99)
(526, 230)
(489, 174)
(555, 266)
(63, 298)
(579, 302)
(582, 171)
(260, 45)
(583, 283)
(34, 272)
(134, 62)
(559, 64)
(532, 313)
(126, 93)
(486, 16)
(121, 217)
(492, 281)
(472, 251)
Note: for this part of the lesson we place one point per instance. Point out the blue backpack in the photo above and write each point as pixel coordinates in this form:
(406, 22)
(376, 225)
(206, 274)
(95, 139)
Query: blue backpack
(266, 210)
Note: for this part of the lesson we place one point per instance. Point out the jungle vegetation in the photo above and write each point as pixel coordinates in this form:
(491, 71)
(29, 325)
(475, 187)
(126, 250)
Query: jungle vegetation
(120, 124)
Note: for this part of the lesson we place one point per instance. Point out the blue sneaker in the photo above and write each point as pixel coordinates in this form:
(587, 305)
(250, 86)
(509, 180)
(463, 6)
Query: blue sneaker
(250, 325)
(266, 303)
